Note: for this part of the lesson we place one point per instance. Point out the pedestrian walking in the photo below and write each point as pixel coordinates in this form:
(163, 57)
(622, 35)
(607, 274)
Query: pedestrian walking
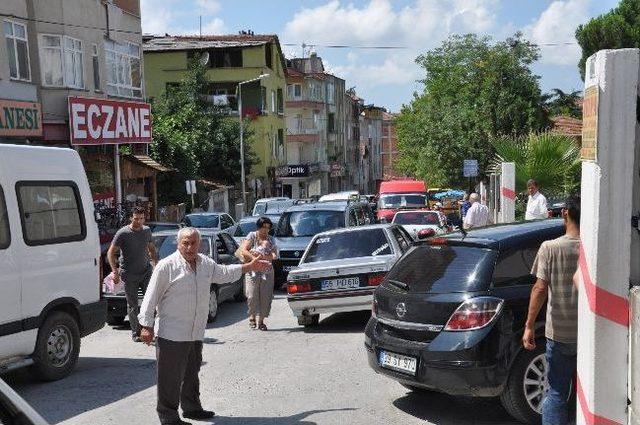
(536, 204)
(179, 293)
(464, 208)
(259, 286)
(554, 268)
(134, 264)
(477, 215)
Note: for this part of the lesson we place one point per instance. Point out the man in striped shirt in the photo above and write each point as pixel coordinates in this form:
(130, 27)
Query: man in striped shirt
(554, 267)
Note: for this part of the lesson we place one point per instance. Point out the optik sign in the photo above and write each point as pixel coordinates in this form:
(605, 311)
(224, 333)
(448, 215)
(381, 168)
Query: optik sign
(101, 121)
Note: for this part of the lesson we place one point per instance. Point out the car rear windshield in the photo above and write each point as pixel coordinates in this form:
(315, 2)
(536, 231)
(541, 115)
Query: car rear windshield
(167, 245)
(441, 269)
(417, 218)
(363, 243)
(202, 221)
(402, 200)
(309, 223)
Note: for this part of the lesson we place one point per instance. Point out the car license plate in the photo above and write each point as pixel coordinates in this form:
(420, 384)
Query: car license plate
(398, 362)
(344, 283)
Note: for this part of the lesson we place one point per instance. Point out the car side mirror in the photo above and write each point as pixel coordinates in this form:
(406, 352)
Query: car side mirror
(426, 233)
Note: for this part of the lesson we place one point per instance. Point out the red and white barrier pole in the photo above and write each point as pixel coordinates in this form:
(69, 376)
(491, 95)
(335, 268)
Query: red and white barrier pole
(609, 134)
(508, 193)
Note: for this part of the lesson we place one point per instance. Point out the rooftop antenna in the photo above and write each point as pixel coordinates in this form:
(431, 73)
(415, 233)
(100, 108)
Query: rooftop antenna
(304, 46)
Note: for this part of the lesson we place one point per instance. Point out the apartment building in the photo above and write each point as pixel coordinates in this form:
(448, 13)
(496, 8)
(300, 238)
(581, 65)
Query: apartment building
(370, 148)
(389, 146)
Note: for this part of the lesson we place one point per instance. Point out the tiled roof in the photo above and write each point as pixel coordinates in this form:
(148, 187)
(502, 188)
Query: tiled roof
(566, 125)
(157, 44)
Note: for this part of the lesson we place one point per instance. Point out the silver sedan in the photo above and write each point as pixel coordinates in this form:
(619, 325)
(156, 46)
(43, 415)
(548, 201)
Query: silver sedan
(340, 269)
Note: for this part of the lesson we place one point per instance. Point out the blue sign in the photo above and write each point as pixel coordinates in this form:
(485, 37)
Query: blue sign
(470, 168)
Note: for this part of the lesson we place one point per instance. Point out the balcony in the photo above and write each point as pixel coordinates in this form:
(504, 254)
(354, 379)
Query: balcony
(302, 130)
(304, 102)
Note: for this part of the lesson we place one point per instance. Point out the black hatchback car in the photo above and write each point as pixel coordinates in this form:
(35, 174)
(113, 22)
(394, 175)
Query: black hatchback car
(450, 314)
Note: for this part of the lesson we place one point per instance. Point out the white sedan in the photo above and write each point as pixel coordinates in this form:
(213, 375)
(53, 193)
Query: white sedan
(418, 222)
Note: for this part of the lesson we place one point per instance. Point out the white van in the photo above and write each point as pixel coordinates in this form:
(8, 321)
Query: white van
(50, 293)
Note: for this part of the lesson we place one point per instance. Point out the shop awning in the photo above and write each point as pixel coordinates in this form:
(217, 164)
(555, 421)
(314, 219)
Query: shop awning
(149, 162)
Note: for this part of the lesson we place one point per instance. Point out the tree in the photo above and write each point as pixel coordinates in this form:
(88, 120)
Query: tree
(551, 159)
(196, 137)
(560, 103)
(474, 90)
(616, 29)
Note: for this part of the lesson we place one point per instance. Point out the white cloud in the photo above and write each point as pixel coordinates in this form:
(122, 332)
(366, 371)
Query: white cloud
(555, 25)
(165, 16)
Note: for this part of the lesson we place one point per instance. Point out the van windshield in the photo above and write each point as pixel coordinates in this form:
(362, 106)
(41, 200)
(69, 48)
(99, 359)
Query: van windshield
(400, 200)
(309, 223)
(441, 269)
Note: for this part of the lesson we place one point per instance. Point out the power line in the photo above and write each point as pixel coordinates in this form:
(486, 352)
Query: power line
(42, 21)
(352, 46)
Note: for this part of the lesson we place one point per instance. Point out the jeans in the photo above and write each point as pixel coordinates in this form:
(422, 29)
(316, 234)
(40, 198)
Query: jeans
(561, 368)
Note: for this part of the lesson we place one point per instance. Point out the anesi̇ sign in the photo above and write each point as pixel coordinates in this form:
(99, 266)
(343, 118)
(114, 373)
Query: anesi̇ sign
(20, 118)
(101, 121)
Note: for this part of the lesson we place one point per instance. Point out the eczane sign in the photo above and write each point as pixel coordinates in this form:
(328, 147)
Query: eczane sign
(102, 121)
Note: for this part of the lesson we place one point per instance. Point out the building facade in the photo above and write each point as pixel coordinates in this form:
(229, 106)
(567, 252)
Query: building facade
(389, 146)
(370, 148)
(353, 107)
(59, 56)
(316, 130)
(232, 59)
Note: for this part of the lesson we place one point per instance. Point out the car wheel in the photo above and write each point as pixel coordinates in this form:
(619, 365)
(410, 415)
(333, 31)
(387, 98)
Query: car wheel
(213, 306)
(57, 347)
(309, 321)
(115, 320)
(526, 386)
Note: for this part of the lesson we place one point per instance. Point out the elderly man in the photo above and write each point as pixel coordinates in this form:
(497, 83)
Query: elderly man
(179, 291)
(536, 204)
(477, 215)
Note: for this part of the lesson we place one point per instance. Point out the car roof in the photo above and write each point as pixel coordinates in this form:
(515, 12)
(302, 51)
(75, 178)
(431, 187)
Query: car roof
(424, 210)
(358, 229)
(280, 198)
(321, 206)
(504, 236)
(203, 232)
(206, 213)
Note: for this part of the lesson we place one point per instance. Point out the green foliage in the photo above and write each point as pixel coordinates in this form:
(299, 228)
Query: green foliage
(195, 137)
(551, 159)
(616, 29)
(474, 90)
(560, 103)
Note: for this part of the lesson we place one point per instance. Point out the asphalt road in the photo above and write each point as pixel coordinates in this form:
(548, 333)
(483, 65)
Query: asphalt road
(284, 376)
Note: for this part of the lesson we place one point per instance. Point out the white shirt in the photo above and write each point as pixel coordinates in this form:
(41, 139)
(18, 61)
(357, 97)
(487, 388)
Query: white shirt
(477, 216)
(181, 296)
(536, 207)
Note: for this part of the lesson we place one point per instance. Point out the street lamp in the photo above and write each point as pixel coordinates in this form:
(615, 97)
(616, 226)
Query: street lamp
(242, 176)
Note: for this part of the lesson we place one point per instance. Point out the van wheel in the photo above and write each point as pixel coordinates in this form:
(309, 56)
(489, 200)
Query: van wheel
(213, 306)
(309, 321)
(57, 347)
(526, 386)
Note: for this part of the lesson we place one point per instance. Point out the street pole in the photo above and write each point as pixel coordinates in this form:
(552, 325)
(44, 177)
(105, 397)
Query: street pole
(242, 176)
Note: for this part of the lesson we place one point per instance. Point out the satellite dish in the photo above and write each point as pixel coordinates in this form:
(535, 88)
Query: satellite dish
(204, 59)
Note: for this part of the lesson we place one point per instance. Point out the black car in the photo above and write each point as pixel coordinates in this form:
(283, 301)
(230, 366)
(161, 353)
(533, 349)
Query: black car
(450, 316)
(300, 223)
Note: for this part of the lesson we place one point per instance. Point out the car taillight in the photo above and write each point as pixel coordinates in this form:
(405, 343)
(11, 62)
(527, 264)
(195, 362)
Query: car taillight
(474, 313)
(375, 279)
(298, 287)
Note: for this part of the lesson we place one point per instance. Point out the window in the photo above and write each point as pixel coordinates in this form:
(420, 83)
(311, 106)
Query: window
(61, 59)
(226, 221)
(15, 35)
(331, 123)
(73, 70)
(294, 91)
(330, 93)
(367, 243)
(280, 102)
(263, 97)
(274, 102)
(268, 55)
(402, 242)
(51, 212)
(226, 58)
(514, 267)
(5, 234)
(124, 77)
(96, 67)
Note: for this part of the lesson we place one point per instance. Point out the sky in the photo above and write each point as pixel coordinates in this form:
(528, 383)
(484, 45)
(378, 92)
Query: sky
(388, 77)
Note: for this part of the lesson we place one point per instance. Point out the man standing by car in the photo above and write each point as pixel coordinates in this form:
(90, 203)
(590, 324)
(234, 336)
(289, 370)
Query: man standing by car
(477, 215)
(137, 257)
(536, 204)
(179, 291)
(554, 267)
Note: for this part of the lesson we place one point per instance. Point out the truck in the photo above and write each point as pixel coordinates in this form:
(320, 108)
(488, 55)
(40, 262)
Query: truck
(396, 195)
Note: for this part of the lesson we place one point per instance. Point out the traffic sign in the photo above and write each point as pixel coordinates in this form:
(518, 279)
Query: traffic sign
(470, 168)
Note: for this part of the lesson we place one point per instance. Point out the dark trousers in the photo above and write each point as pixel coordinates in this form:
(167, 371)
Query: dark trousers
(132, 285)
(177, 375)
